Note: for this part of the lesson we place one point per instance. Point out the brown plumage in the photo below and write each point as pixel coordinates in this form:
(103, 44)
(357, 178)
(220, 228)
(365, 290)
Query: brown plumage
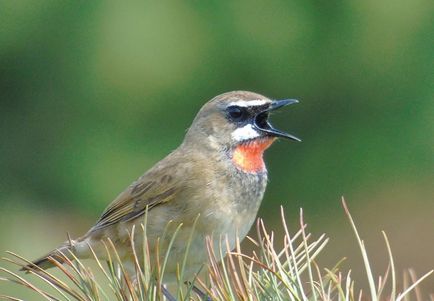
(201, 179)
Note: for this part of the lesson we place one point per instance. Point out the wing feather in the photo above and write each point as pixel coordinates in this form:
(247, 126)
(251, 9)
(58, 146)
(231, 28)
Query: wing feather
(133, 202)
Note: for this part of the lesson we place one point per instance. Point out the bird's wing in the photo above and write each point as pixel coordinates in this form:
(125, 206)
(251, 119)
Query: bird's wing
(144, 194)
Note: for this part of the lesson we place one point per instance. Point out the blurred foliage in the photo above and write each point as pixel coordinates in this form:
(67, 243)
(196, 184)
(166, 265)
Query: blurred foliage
(92, 94)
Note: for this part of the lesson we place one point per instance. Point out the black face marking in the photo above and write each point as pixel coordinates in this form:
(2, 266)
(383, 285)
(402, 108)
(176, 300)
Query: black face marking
(243, 115)
(237, 114)
(257, 116)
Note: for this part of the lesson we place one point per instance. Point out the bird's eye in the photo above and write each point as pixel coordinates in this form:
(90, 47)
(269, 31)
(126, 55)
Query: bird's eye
(236, 113)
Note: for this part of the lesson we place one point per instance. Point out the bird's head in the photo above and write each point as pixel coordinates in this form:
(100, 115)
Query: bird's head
(238, 123)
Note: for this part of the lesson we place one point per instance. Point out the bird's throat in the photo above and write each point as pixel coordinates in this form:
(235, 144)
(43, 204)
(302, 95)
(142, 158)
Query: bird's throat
(249, 156)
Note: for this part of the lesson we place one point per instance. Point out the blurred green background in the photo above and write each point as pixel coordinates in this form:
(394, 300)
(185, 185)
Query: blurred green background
(93, 94)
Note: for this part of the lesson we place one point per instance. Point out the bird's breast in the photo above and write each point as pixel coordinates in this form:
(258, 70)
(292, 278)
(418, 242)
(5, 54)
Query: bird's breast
(237, 197)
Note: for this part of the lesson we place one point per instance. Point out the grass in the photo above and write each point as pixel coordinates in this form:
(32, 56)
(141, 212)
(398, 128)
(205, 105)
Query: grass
(289, 272)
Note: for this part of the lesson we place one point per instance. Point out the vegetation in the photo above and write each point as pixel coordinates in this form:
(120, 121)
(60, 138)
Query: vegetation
(290, 272)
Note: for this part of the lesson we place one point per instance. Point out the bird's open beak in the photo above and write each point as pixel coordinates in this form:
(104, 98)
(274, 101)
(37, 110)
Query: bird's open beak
(262, 124)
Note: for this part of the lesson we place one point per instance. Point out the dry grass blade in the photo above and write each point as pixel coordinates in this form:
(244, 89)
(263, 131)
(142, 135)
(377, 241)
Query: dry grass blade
(414, 285)
(308, 262)
(392, 267)
(20, 280)
(369, 274)
(4, 297)
(47, 277)
(413, 278)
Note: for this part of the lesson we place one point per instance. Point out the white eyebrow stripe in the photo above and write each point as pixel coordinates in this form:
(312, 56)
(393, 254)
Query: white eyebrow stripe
(244, 103)
(245, 133)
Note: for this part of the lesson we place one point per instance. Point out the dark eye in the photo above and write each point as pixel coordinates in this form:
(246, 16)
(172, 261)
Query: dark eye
(236, 113)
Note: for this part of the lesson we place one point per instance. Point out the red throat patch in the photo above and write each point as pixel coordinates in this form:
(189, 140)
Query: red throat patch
(249, 156)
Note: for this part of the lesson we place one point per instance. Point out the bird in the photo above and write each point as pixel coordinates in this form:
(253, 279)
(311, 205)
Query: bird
(212, 185)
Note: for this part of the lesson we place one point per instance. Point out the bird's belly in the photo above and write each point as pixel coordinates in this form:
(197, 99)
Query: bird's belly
(193, 242)
(231, 217)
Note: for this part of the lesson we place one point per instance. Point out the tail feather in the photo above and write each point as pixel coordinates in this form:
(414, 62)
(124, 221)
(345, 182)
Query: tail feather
(59, 255)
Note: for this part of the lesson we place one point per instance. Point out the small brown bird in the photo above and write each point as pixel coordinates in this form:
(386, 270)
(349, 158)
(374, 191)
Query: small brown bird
(216, 175)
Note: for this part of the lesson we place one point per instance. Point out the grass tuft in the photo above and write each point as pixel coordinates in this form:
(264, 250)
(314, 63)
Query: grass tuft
(269, 272)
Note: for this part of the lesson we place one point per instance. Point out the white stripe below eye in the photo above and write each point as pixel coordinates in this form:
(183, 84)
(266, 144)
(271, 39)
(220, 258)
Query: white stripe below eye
(249, 103)
(245, 133)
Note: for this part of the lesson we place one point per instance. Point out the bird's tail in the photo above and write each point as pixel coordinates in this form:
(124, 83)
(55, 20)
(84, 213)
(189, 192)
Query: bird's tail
(61, 254)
